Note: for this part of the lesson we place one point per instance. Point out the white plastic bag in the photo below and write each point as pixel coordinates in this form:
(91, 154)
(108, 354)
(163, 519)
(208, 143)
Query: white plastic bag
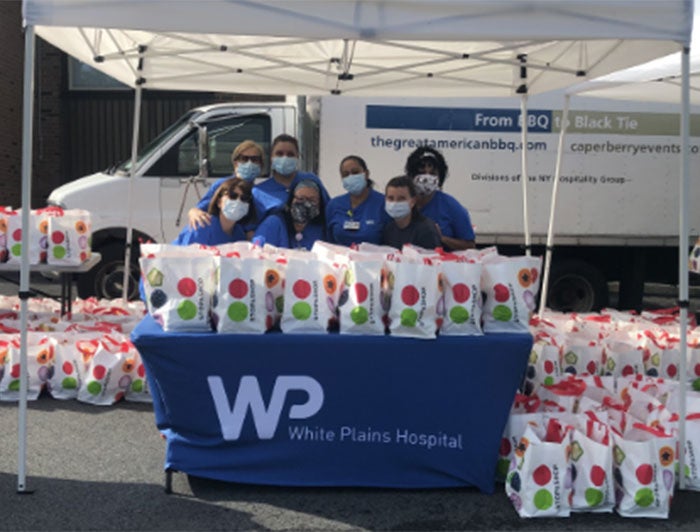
(360, 301)
(240, 299)
(460, 303)
(413, 311)
(69, 238)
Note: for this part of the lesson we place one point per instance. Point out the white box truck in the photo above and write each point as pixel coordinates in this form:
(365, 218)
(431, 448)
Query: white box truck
(617, 213)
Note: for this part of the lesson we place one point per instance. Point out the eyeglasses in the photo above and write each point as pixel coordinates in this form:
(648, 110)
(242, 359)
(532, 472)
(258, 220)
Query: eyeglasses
(249, 158)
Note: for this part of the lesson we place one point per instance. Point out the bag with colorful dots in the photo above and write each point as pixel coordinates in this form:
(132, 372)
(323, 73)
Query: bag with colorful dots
(41, 352)
(512, 433)
(511, 285)
(362, 305)
(644, 461)
(70, 237)
(243, 303)
(137, 390)
(69, 369)
(459, 306)
(622, 358)
(310, 296)
(179, 291)
(37, 239)
(107, 377)
(543, 366)
(580, 359)
(539, 480)
(592, 468)
(413, 310)
(3, 232)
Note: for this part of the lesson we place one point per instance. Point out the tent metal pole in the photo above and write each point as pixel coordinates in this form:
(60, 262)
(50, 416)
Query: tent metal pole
(553, 205)
(523, 173)
(27, 136)
(683, 253)
(130, 194)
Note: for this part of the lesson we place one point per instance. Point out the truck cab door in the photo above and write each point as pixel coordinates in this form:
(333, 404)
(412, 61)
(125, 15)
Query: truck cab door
(180, 184)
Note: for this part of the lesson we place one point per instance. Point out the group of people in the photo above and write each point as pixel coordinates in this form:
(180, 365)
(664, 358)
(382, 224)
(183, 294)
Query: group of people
(292, 209)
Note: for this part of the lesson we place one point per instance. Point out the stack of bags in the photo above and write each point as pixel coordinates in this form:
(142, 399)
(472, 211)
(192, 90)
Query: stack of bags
(86, 356)
(371, 290)
(595, 427)
(56, 236)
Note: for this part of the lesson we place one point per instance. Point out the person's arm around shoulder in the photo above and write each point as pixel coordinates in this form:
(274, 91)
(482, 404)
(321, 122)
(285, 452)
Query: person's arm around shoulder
(464, 237)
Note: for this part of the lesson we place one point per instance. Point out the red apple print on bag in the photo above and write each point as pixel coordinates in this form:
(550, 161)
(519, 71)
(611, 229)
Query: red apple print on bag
(301, 289)
(460, 292)
(410, 295)
(501, 293)
(187, 287)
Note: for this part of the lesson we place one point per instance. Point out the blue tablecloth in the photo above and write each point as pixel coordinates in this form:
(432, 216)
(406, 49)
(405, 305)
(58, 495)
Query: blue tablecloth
(333, 410)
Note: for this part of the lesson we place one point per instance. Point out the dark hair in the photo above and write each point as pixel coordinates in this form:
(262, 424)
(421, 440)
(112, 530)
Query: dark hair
(286, 213)
(424, 154)
(362, 164)
(283, 137)
(229, 187)
(407, 182)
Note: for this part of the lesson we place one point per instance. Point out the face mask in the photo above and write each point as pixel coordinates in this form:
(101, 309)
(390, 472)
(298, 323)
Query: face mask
(304, 211)
(355, 183)
(397, 209)
(248, 170)
(234, 210)
(284, 165)
(426, 184)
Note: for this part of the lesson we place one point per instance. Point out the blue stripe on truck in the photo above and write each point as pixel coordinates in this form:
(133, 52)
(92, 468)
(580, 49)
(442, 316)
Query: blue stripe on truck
(454, 119)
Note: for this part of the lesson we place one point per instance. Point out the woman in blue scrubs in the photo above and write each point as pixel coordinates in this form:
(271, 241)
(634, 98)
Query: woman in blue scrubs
(230, 210)
(299, 224)
(270, 194)
(358, 216)
(428, 169)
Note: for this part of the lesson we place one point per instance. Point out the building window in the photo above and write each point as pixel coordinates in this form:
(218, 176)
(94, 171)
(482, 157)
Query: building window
(82, 77)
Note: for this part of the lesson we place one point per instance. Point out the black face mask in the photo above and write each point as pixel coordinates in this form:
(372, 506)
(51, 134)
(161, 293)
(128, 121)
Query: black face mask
(304, 211)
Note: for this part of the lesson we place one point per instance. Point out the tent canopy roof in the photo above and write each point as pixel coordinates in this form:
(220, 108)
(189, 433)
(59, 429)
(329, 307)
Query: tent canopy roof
(367, 47)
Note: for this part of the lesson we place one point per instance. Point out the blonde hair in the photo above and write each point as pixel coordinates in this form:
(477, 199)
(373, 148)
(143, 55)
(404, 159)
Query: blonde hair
(245, 145)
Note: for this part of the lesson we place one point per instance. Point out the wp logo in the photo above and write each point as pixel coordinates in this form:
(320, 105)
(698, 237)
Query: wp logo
(265, 418)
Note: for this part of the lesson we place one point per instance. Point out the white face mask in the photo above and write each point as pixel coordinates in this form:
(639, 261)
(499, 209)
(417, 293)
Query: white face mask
(234, 210)
(426, 184)
(397, 209)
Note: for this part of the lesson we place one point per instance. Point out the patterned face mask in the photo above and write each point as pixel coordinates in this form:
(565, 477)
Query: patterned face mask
(426, 184)
(304, 211)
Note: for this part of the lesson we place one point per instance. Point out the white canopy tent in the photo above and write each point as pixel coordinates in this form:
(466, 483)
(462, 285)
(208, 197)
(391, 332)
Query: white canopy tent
(357, 47)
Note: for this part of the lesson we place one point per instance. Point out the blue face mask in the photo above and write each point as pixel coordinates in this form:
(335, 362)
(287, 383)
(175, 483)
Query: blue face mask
(397, 209)
(355, 183)
(248, 170)
(284, 165)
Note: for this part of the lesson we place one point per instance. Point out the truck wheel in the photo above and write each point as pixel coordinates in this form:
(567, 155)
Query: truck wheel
(107, 278)
(576, 286)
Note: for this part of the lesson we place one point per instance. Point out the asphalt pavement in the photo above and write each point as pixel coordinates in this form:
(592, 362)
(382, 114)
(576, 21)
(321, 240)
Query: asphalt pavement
(101, 468)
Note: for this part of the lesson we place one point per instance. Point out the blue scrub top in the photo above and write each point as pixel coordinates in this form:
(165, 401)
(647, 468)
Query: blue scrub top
(273, 231)
(342, 220)
(209, 235)
(268, 195)
(450, 215)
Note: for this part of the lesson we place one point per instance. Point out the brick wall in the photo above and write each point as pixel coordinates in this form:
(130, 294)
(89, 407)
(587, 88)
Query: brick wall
(11, 62)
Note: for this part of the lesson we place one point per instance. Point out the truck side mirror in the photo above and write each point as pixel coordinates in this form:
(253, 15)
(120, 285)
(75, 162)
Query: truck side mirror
(203, 151)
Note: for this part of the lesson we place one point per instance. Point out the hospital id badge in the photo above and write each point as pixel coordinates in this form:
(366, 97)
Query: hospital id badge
(351, 225)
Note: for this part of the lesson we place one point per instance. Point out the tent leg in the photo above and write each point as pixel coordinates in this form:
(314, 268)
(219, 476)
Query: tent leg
(168, 481)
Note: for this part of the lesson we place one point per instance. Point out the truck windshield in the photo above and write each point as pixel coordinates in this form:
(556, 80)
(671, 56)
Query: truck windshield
(125, 167)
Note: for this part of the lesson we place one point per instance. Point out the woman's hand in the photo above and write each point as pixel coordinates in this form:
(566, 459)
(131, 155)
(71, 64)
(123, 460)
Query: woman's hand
(198, 218)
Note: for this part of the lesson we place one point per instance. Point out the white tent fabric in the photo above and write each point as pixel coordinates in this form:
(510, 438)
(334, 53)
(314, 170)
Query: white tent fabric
(358, 47)
(377, 48)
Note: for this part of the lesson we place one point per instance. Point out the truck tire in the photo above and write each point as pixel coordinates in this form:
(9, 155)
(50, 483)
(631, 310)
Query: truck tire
(576, 286)
(107, 278)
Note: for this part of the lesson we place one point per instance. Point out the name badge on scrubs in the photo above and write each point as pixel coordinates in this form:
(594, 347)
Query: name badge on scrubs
(351, 225)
